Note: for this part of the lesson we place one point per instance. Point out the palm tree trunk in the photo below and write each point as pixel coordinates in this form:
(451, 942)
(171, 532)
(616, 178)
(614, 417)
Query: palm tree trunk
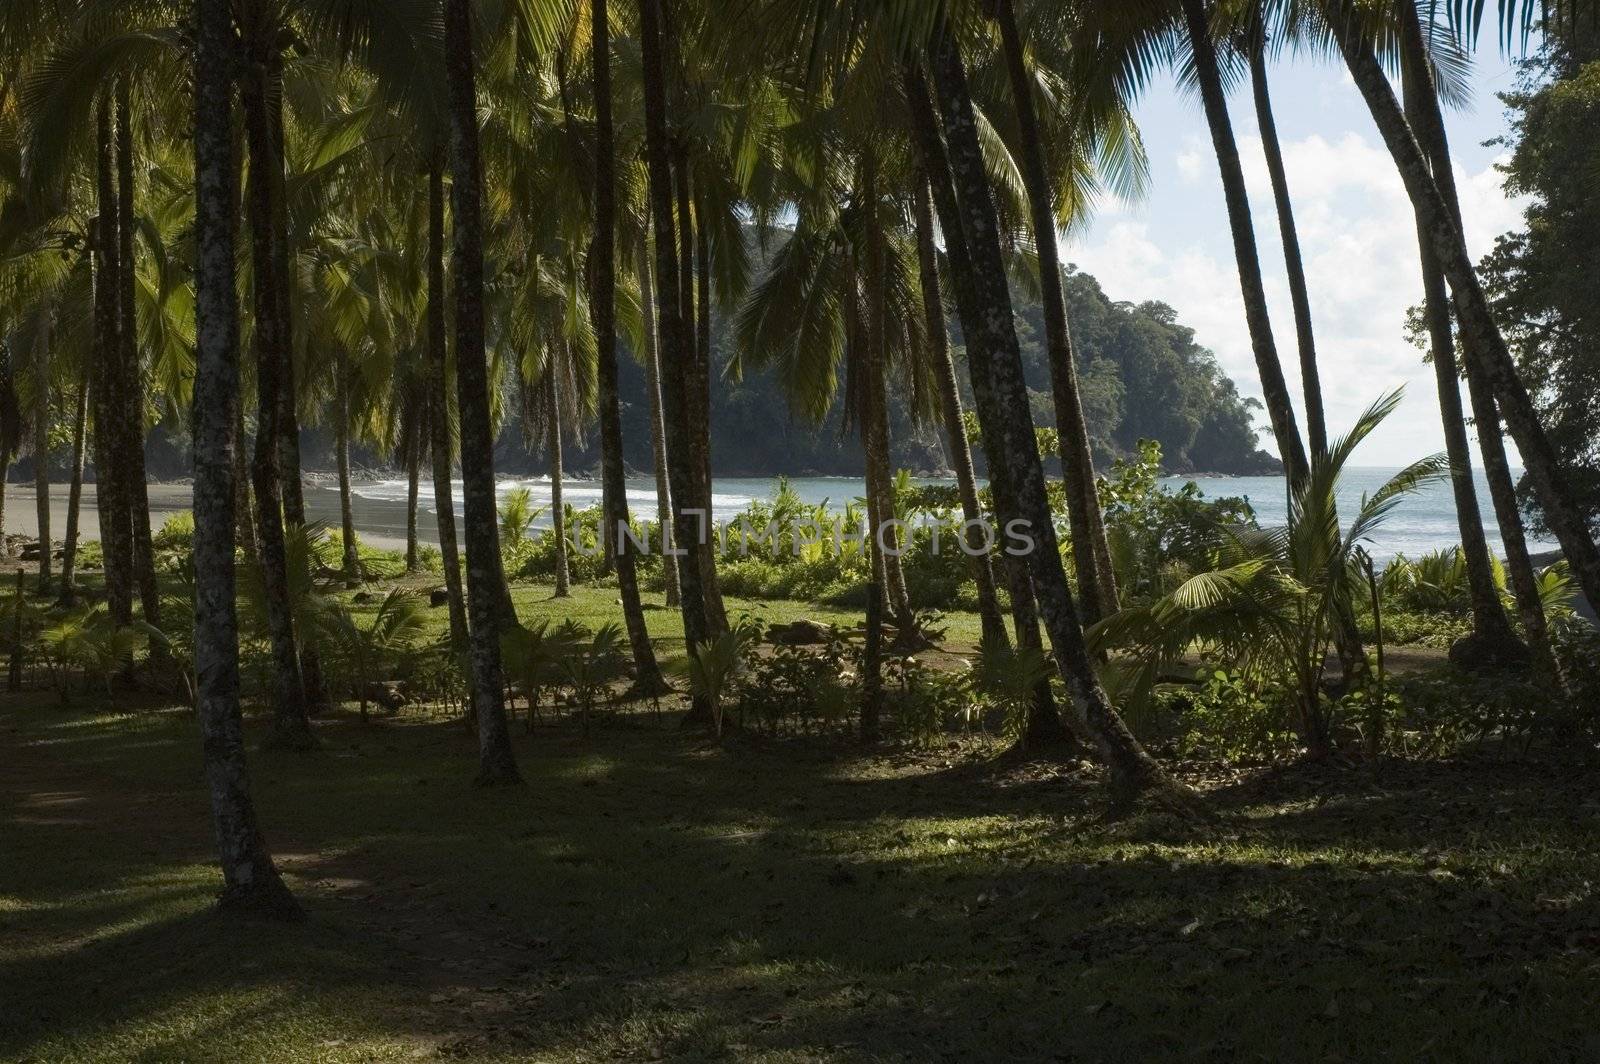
(696, 253)
(1280, 407)
(676, 343)
(41, 449)
(1502, 489)
(1044, 727)
(1299, 292)
(69, 549)
(1091, 555)
(413, 481)
(244, 506)
(351, 562)
(116, 533)
(291, 724)
(1492, 642)
(994, 629)
(658, 433)
(646, 672)
(875, 419)
(131, 419)
(485, 581)
(1485, 347)
(558, 509)
(292, 484)
(439, 412)
(250, 881)
(995, 359)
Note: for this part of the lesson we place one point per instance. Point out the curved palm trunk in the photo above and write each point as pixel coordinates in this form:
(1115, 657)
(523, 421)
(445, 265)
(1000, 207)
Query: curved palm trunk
(1294, 265)
(116, 533)
(658, 432)
(676, 343)
(995, 359)
(1492, 642)
(485, 581)
(291, 724)
(1280, 407)
(351, 561)
(558, 508)
(1423, 113)
(994, 629)
(438, 415)
(1485, 347)
(250, 881)
(41, 449)
(1045, 727)
(646, 673)
(1091, 555)
(69, 548)
(131, 419)
(697, 283)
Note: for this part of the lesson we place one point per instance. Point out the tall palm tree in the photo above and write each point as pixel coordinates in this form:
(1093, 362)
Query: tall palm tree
(647, 674)
(1257, 43)
(1492, 641)
(1044, 725)
(250, 880)
(1482, 341)
(995, 362)
(1213, 96)
(650, 351)
(292, 727)
(955, 428)
(1097, 583)
(675, 339)
(497, 762)
(439, 405)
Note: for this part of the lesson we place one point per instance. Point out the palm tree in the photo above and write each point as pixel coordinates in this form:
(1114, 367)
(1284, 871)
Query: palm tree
(955, 428)
(1492, 641)
(1257, 43)
(675, 340)
(1208, 73)
(116, 534)
(439, 406)
(251, 881)
(1482, 341)
(995, 362)
(650, 351)
(1044, 724)
(1272, 606)
(1097, 584)
(292, 726)
(497, 762)
(647, 674)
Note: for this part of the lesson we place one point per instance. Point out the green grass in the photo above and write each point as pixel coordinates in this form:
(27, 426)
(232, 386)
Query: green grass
(599, 603)
(649, 896)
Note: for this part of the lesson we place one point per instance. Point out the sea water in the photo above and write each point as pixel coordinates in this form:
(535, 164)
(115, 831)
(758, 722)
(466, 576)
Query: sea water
(1423, 521)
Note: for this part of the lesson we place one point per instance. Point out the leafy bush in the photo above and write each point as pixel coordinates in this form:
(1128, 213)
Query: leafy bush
(1226, 715)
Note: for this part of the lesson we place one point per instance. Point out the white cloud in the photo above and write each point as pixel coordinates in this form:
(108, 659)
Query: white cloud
(1358, 240)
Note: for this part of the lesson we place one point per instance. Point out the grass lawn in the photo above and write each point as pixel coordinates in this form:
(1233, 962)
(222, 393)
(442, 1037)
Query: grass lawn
(648, 895)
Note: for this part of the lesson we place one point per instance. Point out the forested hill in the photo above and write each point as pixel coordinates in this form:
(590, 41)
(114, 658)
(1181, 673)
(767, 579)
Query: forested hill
(1142, 376)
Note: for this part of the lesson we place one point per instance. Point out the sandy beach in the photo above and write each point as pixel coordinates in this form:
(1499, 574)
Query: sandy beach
(379, 523)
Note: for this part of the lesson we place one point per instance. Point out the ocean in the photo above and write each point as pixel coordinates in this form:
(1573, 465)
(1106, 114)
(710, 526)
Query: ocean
(1422, 522)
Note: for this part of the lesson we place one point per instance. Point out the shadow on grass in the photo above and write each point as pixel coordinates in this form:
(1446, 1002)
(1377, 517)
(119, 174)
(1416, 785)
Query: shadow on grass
(651, 895)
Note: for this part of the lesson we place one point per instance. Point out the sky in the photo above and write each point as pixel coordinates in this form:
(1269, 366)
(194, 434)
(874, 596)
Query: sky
(1357, 237)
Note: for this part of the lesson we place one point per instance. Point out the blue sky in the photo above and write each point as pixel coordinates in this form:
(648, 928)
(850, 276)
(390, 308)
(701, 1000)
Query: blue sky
(1356, 228)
